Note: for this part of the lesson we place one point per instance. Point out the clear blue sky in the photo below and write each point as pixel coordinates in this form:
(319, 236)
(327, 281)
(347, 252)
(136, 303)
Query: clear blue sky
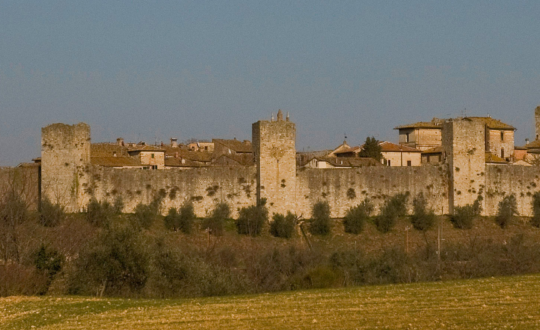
(147, 70)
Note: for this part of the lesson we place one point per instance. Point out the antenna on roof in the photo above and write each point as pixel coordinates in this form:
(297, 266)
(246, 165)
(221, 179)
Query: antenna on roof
(345, 134)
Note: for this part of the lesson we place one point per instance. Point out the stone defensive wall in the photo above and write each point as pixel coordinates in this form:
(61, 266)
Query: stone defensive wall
(203, 186)
(504, 180)
(344, 188)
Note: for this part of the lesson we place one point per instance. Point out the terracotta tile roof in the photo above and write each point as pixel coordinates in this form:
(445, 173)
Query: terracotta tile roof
(434, 123)
(107, 149)
(235, 145)
(532, 145)
(491, 158)
(115, 161)
(392, 147)
(436, 150)
(177, 162)
(348, 150)
(347, 161)
(437, 123)
(493, 123)
(145, 148)
(239, 159)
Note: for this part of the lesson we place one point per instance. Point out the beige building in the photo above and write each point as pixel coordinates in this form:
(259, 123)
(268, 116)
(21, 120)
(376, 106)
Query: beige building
(400, 155)
(426, 136)
(150, 157)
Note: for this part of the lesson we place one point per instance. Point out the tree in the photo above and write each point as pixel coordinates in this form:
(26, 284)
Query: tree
(422, 218)
(98, 213)
(356, 217)
(186, 217)
(171, 219)
(371, 149)
(251, 220)
(215, 223)
(464, 216)
(392, 209)
(51, 214)
(13, 212)
(283, 226)
(506, 211)
(320, 221)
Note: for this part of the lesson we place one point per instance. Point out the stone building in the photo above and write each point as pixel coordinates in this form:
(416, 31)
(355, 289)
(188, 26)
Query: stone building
(400, 155)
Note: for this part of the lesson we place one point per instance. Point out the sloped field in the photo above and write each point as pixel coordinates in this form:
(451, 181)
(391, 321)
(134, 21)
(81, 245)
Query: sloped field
(494, 303)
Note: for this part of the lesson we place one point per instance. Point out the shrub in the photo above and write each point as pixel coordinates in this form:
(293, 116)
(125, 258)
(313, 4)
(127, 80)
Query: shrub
(399, 204)
(145, 215)
(422, 219)
(13, 212)
(171, 220)
(283, 226)
(118, 205)
(464, 216)
(251, 220)
(506, 211)
(320, 221)
(99, 214)
(356, 217)
(51, 214)
(216, 222)
(186, 217)
(49, 262)
(116, 263)
(535, 221)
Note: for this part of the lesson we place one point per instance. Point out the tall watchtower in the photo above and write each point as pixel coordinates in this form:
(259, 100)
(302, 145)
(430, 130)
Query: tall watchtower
(464, 142)
(275, 155)
(65, 153)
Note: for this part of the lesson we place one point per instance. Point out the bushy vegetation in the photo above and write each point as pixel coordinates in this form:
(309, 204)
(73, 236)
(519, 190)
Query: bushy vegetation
(320, 223)
(145, 215)
(283, 225)
(13, 213)
(422, 218)
(51, 214)
(506, 211)
(116, 263)
(371, 149)
(393, 208)
(251, 220)
(355, 218)
(463, 217)
(535, 220)
(215, 223)
(183, 220)
(100, 213)
(48, 262)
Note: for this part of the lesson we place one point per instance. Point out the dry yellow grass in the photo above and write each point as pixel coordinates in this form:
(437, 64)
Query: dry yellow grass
(494, 303)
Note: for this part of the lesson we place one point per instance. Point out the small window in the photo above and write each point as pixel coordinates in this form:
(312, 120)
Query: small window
(152, 155)
(502, 153)
(389, 163)
(409, 163)
(502, 136)
(206, 148)
(407, 138)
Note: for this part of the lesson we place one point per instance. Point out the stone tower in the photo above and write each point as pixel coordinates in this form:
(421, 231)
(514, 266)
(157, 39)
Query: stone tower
(65, 155)
(464, 142)
(537, 122)
(275, 155)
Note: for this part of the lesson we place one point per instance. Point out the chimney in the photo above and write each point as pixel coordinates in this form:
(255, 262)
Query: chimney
(526, 141)
(162, 143)
(120, 142)
(174, 142)
(176, 154)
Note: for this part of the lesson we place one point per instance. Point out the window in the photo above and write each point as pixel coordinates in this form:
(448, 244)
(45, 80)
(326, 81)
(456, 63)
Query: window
(502, 153)
(206, 148)
(389, 163)
(502, 136)
(409, 163)
(152, 155)
(407, 137)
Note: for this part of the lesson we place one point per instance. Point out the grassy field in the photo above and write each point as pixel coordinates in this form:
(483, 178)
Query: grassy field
(494, 303)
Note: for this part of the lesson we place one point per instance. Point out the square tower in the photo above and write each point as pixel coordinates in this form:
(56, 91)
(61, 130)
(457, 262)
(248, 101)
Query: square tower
(65, 153)
(464, 141)
(275, 155)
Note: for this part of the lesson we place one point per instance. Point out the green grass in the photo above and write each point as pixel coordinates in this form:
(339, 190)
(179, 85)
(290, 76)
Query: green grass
(494, 303)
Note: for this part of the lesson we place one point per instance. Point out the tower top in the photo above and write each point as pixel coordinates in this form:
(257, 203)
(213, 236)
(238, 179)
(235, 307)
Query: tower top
(280, 115)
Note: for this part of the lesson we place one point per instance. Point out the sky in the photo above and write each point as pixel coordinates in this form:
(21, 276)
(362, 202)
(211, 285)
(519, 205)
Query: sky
(152, 70)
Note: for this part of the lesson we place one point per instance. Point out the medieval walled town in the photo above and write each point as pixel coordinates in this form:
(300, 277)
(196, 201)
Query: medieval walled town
(452, 162)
